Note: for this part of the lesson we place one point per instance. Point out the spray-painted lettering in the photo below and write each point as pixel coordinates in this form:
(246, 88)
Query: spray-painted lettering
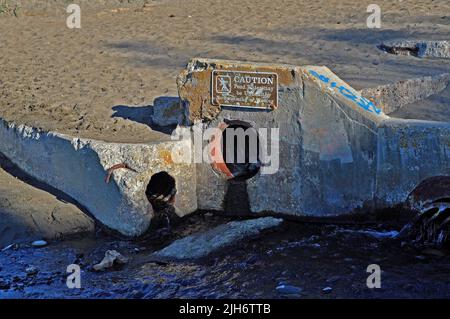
(349, 94)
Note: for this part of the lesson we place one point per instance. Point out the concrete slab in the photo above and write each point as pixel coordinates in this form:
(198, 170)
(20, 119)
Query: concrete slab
(200, 245)
(78, 168)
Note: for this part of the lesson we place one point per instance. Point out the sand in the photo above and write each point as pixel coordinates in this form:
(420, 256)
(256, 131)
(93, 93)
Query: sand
(100, 81)
(30, 213)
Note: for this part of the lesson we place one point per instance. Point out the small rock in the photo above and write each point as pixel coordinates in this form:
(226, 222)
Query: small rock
(199, 245)
(31, 271)
(327, 290)
(289, 290)
(39, 243)
(111, 257)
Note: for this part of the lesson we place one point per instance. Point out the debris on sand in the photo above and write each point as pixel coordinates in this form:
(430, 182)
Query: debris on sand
(202, 244)
(417, 48)
(432, 225)
(111, 257)
(14, 246)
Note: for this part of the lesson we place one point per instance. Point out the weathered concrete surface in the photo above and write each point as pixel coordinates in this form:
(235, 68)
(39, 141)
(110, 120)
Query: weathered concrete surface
(410, 152)
(167, 110)
(338, 151)
(419, 48)
(203, 244)
(78, 167)
(392, 97)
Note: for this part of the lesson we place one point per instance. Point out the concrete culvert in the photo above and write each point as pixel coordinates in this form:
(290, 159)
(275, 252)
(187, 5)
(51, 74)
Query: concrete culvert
(161, 190)
(431, 198)
(241, 150)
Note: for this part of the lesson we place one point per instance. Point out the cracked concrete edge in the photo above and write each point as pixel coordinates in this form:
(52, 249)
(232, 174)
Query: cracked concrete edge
(77, 167)
(194, 85)
(419, 48)
(200, 245)
(394, 96)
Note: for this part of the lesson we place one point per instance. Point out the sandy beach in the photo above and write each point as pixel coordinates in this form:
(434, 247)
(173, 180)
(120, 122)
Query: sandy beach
(100, 81)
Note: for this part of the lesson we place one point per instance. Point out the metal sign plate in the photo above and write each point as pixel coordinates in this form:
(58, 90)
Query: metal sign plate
(244, 89)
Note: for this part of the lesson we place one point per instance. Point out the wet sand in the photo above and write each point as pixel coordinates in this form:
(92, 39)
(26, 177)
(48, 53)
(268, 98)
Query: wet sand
(100, 81)
(308, 256)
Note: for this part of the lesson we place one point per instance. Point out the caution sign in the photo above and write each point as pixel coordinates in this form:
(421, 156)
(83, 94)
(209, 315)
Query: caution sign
(244, 89)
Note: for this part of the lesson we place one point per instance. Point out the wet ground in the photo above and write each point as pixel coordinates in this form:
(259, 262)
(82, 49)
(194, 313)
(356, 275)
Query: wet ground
(310, 257)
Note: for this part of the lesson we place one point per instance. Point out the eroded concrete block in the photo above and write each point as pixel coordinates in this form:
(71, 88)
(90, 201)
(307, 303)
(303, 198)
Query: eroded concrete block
(78, 168)
(419, 48)
(167, 110)
(337, 151)
(203, 244)
(392, 97)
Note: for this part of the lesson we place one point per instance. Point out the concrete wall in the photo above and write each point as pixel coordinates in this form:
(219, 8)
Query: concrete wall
(338, 151)
(78, 168)
(409, 152)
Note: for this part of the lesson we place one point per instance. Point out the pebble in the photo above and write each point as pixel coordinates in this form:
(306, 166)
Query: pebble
(288, 290)
(39, 243)
(327, 290)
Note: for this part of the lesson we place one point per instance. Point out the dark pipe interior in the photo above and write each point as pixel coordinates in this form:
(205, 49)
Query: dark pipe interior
(246, 170)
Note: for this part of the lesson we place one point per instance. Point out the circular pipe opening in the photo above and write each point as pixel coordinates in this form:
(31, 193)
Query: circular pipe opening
(161, 190)
(239, 144)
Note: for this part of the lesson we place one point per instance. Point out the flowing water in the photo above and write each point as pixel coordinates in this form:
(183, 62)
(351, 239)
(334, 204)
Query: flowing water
(311, 257)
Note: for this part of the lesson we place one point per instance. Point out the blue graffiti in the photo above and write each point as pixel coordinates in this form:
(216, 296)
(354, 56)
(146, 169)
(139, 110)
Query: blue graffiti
(347, 93)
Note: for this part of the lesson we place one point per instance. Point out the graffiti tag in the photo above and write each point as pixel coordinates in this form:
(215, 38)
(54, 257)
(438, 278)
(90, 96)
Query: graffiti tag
(347, 93)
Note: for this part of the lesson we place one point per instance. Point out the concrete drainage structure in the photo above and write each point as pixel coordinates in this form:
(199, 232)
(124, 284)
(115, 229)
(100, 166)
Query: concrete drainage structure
(78, 168)
(338, 152)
